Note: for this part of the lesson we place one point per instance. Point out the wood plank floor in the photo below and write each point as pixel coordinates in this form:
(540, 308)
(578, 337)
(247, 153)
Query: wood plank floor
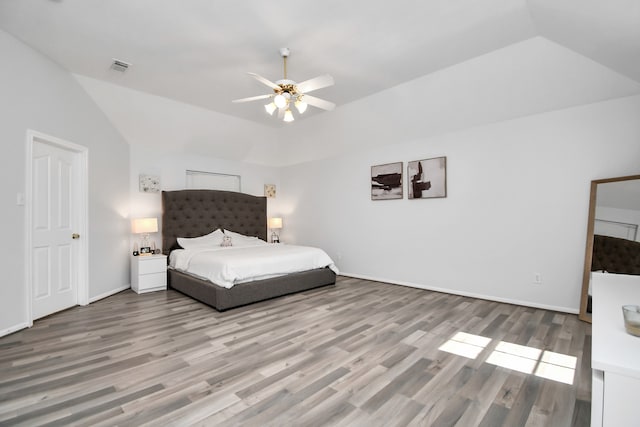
(360, 353)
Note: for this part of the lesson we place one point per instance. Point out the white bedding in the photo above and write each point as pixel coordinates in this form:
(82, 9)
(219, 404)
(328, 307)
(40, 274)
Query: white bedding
(227, 266)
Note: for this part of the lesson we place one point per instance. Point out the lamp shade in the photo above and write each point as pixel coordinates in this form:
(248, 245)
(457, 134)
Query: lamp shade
(144, 225)
(275, 223)
(288, 116)
(301, 106)
(270, 108)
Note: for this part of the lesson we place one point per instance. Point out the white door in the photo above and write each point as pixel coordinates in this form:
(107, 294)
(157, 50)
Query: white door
(54, 257)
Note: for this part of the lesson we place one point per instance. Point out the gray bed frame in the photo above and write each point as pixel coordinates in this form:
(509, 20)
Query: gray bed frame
(193, 213)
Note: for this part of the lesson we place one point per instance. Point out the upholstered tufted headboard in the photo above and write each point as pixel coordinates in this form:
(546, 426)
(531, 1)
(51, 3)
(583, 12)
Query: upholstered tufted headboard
(615, 255)
(193, 213)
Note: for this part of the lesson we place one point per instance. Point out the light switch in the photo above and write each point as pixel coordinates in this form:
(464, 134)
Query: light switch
(20, 199)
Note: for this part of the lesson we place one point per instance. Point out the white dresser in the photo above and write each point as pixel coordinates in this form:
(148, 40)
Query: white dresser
(615, 355)
(148, 273)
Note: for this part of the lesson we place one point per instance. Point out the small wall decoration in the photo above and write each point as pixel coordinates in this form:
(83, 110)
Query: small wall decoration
(386, 181)
(427, 178)
(149, 183)
(270, 190)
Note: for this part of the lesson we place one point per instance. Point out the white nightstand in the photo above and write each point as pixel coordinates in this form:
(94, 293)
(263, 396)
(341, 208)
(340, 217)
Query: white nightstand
(148, 273)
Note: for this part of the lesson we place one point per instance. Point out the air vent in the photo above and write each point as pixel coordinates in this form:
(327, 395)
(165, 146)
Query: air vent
(120, 66)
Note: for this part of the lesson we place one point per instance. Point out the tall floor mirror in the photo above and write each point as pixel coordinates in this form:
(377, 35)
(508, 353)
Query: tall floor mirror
(613, 238)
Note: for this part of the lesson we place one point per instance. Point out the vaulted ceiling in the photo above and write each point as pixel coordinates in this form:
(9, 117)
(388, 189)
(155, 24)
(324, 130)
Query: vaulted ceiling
(196, 53)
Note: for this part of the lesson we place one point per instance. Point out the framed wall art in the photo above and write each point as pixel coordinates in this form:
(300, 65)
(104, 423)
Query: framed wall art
(427, 178)
(270, 190)
(149, 183)
(386, 181)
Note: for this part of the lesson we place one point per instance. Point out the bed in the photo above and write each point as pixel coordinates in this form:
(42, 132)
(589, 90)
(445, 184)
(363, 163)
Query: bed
(193, 213)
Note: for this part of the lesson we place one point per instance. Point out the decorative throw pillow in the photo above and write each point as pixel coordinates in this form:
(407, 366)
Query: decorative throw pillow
(226, 241)
(212, 239)
(242, 240)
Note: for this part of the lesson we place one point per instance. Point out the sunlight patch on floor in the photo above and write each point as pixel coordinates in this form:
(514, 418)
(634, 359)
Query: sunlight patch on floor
(466, 345)
(513, 356)
(558, 367)
(529, 360)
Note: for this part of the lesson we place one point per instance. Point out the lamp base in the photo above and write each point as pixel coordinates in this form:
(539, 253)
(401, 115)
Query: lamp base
(146, 251)
(275, 238)
(145, 246)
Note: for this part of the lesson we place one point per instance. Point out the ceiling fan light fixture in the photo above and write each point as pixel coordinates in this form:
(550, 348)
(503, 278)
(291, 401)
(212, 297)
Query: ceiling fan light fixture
(286, 92)
(280, 101)
(270, 108)
(300, 105)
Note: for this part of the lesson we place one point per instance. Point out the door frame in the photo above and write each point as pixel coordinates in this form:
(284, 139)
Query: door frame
(81, 208)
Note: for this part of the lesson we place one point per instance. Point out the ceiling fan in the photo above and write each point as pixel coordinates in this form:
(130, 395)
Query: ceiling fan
(286, 92)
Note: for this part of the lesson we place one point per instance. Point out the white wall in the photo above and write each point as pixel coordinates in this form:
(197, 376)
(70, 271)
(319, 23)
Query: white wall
(37, 94)
(518, 195)
(172, 167)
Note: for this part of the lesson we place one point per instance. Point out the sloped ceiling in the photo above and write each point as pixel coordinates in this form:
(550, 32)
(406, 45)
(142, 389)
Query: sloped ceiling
(190, 58)
(606, 31)
(530, 77)
(162, 123)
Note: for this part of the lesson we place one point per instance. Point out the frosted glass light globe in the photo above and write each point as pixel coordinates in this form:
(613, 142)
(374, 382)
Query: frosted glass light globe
(280, 101)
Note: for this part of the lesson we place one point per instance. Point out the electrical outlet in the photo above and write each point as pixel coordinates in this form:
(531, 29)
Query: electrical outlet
(537, 278)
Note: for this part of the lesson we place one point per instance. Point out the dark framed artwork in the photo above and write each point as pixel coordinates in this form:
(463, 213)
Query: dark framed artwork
(386, 181)
(427, 178)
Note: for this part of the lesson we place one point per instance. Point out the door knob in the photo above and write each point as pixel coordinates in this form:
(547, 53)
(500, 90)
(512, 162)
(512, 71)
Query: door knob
(75, 236)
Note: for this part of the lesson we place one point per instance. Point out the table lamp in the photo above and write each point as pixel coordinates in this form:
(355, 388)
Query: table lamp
(275, 224)
(145, 226)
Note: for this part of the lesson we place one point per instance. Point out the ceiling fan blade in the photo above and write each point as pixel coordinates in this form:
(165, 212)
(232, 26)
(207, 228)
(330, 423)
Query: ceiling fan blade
(317, 102)
(253, 98)
(262, 80)
(315, 83)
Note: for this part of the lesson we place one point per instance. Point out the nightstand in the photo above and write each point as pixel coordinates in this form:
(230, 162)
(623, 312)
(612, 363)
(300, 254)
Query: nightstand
(148, 273)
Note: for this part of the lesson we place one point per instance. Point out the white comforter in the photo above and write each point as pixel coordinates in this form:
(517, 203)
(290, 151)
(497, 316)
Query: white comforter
(227, 266)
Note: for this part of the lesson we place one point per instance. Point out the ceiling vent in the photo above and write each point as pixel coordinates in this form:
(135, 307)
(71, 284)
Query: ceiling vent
(120, 66)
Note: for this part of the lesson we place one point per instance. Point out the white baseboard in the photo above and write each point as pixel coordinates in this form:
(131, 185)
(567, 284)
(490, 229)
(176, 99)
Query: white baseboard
(464, 294)
(13, 329)
(109, 293)
(24, 325)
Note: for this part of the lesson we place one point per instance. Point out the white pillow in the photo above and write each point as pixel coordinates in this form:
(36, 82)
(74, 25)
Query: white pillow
(212, 239)
(242, 240)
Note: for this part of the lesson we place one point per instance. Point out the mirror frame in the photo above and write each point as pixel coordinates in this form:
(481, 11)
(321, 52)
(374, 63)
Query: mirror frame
(588, 254)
